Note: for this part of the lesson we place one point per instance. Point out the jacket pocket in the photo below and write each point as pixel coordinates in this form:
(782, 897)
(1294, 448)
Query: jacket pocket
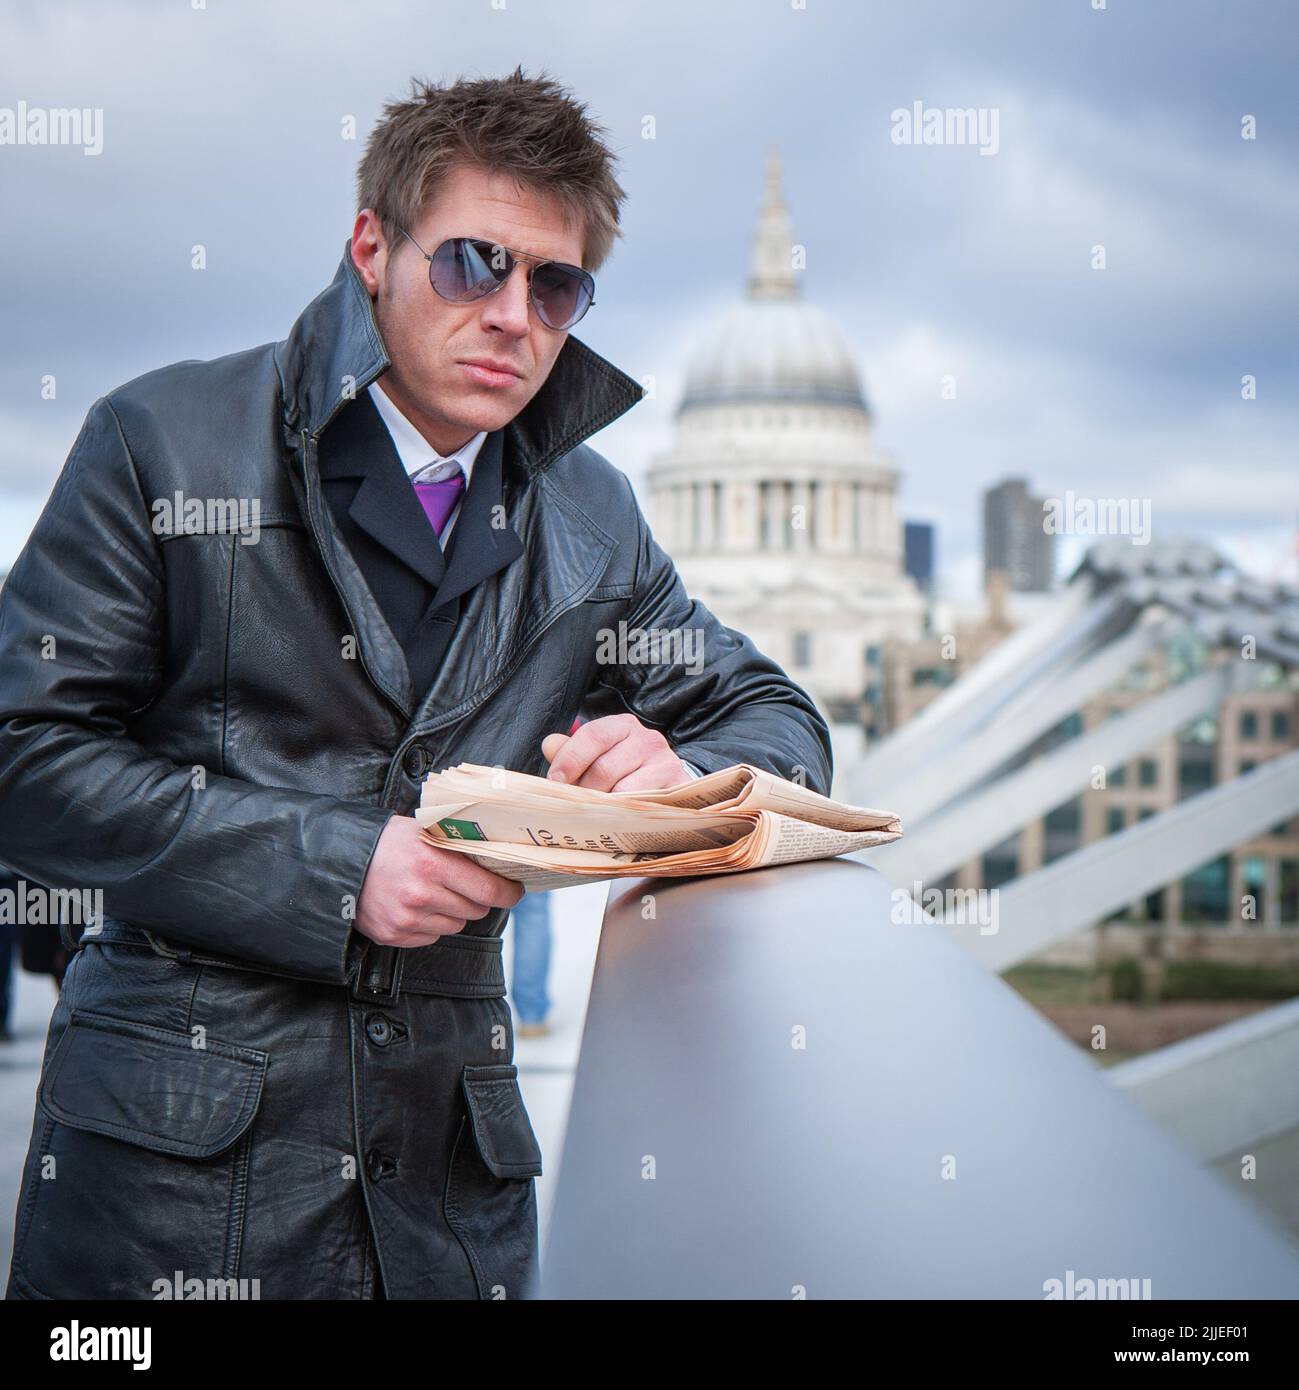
(491, 1202)
(142, 1167)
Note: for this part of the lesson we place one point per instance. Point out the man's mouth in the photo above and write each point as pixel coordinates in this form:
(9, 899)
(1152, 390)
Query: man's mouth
(488, 371)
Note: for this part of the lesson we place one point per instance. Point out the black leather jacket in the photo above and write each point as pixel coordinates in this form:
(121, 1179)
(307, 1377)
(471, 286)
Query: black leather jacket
(214, 733)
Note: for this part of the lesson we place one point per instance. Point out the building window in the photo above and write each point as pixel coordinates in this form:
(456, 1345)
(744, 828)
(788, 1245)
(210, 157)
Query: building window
(1153, 906)
(1001, 863)
(1066, 818)
(1115, 820)
(1119, 776)
(1062, 827)
(1148, 772)
(1253, 877)
(1194, 768)
(1288, 891)
(1248, 724)
(1280, 724)
(802, 648)
(1206, 893)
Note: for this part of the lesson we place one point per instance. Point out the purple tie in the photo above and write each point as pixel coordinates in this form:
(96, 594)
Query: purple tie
(439, 499)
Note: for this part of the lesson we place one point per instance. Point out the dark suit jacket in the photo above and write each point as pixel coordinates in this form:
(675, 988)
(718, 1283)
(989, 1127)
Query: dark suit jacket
(417, 587)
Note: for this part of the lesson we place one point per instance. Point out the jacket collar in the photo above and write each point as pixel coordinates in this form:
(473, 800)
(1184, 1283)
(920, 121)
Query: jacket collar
(384, 505)
(334, 350)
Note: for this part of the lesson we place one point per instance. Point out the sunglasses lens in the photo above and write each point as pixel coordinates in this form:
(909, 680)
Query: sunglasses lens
(464, 269)
(467, 268)
(562, 294)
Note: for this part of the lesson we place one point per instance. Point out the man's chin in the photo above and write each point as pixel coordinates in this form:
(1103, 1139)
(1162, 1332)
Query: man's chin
(487, 410)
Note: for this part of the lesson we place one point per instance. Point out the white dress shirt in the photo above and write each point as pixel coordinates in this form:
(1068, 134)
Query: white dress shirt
(422, 462)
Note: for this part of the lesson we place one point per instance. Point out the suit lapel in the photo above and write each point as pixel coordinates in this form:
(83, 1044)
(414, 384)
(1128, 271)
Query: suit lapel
(483, 542)
(384, 506)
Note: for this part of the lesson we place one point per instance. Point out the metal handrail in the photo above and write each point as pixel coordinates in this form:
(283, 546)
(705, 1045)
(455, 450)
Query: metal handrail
(781, 1090)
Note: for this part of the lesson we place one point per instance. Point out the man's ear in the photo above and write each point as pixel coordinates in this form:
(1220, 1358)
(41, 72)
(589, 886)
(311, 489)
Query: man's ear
(370, 250)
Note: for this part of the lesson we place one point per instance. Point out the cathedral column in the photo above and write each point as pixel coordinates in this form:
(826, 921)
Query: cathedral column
(707, 518)
(884, 511)
(892, 531)
(865, 518)
(740, 510)
(827, 525)
(802, 497)
(685, 520)
(776, 515)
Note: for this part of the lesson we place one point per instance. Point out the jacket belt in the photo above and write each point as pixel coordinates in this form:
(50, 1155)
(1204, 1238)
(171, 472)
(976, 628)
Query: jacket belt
(459, 966)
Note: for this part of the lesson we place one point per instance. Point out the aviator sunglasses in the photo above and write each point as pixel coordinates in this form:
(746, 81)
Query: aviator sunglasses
(465, 268)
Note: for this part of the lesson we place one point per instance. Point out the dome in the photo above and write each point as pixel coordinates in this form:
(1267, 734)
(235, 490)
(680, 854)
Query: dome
(772, 346)
(773, 350)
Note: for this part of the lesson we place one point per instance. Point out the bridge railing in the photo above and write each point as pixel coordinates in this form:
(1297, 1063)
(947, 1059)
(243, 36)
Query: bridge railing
(784, 1090)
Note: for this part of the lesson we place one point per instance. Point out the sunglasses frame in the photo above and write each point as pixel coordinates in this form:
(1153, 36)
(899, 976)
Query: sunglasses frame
(516, 257)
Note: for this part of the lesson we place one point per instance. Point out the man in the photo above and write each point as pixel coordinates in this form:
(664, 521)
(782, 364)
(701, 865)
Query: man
(285, 1056)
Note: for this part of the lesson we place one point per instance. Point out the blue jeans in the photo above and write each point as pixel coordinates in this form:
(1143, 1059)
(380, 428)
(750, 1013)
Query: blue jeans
(531, 919)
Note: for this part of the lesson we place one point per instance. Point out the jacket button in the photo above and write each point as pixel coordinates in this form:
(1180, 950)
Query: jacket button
(382, 1165)
(378, 1030)
(416, 762)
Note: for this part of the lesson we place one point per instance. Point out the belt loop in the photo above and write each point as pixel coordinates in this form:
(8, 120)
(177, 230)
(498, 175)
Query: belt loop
(70, 939)
(162, 949)
(378, 981)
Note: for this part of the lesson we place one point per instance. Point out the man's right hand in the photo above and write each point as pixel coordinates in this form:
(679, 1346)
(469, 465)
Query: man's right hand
(414, 893)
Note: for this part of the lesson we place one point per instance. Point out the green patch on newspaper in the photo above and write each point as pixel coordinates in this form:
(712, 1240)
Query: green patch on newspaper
(461, 829)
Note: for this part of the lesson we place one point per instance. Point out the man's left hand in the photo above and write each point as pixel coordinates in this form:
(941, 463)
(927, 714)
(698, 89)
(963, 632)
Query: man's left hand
(614, 754)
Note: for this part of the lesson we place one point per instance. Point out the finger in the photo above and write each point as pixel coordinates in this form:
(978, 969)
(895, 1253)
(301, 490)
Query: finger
(461, 876)
(620, 761)
(653, 776)
(551, 744)
(432, 930)
(587, 744)
(439, 888)
(481, 885)
(426, 932)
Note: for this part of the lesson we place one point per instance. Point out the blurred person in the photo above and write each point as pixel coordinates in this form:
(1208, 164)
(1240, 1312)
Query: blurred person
(529, 980)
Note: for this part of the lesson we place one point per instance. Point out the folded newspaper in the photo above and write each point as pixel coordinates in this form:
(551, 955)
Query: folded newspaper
(547, 834)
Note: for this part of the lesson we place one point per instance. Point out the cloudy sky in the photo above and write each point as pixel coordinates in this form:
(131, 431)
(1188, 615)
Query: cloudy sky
(1118, 126)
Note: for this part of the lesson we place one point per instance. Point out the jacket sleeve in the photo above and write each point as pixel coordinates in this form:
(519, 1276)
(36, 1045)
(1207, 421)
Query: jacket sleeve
(261, 873)
(706, 687)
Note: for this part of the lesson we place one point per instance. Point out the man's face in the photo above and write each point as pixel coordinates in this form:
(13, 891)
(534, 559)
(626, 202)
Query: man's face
(432, 343)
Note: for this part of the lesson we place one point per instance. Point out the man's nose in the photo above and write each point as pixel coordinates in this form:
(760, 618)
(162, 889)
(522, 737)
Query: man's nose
(507, 309)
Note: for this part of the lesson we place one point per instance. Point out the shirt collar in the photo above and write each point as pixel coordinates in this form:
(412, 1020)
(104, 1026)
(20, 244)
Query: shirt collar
(415, 452)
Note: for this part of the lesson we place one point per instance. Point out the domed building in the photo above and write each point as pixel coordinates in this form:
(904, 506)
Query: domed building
(773, 500)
